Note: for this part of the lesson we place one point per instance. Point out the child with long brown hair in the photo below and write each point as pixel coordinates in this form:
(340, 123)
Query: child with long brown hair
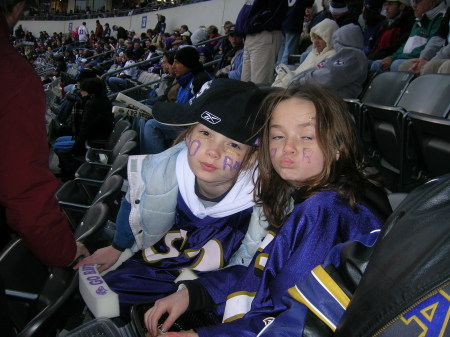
(311, 186)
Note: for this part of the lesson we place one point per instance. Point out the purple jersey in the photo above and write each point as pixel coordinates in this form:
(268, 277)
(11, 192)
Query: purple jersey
(247, 297)
(201, 244)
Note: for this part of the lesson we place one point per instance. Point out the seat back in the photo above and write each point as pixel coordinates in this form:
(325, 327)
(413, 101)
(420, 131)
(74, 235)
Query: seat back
(129, 148)
(129, 135)
(427, 148)
(428, 94)
(387, 88)
(120, 127)
(34, 291)
(109, 190)
(119, 166)
(92, 223)
(384, 134)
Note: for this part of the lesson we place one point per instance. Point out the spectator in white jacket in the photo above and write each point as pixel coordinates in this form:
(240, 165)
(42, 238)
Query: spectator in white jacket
(323, 47)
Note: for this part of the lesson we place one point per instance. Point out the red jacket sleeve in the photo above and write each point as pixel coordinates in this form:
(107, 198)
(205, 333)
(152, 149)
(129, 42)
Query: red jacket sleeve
(27, 185)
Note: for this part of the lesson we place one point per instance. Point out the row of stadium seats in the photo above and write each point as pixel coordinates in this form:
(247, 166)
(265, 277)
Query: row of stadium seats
(404, 127)
(36, 293)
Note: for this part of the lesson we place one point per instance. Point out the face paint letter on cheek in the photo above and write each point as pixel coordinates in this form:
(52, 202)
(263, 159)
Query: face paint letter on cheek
(307, 154)
(194, 147)
(273, 152)
(228, 162)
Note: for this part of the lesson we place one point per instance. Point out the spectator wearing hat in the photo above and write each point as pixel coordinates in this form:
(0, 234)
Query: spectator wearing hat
(342, 14)
(119, 82)
(231, 63)
(373, 20)
(190, 75)
(323, 47)
(435, 57)
(345, 71)
(223, 45)
(429, 15)
(394, 30)
(292, 27)
(260, 21)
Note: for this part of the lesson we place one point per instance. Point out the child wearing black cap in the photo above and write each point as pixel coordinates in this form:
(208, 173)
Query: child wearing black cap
(190, 206)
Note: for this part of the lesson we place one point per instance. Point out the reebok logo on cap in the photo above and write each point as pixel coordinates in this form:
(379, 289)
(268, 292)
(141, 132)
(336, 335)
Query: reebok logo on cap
(209, 117)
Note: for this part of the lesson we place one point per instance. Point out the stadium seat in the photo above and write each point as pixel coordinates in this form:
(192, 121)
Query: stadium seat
(77, 196)
(98, 173)
(385, 125)
(35, 292)
(376, 93)
(123, 146)
(427, 152)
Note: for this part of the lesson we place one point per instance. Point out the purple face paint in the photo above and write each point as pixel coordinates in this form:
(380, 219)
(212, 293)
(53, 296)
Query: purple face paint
(194, 147)
(273, 152)
(307, 154)
(227, 161)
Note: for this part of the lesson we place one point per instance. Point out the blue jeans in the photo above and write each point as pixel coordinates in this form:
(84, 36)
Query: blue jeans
(117, 84)
(155, 136)
(394, 66)
(289, 46)
(63, 149)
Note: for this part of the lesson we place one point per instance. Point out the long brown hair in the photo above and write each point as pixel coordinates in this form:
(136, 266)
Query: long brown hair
(335, 132)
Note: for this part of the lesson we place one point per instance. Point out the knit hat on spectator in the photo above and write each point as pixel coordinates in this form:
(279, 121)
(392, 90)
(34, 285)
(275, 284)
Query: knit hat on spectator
(229, 107)
(188, 56)
(338, 7)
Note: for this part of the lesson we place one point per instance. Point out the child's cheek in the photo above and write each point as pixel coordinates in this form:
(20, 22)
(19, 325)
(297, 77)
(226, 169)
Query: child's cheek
(230, 163)
(194, 146)
(273, 152)
(307, 154)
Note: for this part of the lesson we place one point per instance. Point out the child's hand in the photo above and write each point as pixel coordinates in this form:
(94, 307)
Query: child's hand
(104, 258)
(175, 305)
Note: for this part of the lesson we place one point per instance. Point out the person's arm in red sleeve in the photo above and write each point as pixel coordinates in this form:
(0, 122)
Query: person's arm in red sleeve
(27, 185)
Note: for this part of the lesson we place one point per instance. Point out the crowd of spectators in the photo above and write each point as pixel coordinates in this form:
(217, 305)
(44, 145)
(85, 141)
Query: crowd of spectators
(345, 41)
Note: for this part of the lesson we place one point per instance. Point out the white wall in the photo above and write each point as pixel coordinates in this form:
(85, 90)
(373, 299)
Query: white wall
(214, 12)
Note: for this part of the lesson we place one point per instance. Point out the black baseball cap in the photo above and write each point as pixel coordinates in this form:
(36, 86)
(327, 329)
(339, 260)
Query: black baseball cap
(229, 107)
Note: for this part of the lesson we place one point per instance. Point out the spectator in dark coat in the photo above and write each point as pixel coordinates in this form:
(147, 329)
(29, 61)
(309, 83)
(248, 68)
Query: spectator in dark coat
(96, 123)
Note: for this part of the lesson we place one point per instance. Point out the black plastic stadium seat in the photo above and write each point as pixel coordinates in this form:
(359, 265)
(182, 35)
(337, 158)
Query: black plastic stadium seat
(35, 292)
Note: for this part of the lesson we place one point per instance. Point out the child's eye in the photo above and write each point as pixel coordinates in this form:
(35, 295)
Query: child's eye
(235, 146)
(204, 133)
(307, 138)
(277, 137)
